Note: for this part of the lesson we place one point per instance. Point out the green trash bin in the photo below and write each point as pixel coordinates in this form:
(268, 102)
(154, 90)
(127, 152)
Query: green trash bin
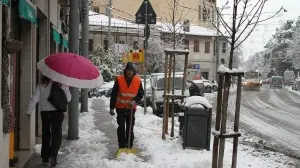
(197, 127)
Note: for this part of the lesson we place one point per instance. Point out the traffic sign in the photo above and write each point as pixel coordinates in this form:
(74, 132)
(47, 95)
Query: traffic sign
(140, 15)
(135, 56)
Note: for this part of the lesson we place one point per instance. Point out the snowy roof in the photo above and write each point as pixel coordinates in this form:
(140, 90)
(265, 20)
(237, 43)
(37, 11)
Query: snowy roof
(194, 29)
(102, 20)
(96, 19)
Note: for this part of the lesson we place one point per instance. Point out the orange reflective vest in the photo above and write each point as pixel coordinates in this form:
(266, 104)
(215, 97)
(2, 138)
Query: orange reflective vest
(127, 94)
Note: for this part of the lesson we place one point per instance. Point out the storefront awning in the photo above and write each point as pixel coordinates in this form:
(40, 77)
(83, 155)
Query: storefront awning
(6, 2)
(64, 42)
(55, 35)
(28, 11)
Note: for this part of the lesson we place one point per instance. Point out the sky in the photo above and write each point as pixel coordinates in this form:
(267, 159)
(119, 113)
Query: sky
(260, 36)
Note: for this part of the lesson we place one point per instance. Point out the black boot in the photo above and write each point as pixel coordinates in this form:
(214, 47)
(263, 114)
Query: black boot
(53, 162)
(45, 160)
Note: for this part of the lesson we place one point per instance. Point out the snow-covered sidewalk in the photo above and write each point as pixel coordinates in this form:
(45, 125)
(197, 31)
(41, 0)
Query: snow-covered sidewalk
(90, 151)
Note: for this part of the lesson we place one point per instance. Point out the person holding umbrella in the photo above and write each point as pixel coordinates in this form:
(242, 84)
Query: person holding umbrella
(59, 71)
(52, 118)
(126, 92)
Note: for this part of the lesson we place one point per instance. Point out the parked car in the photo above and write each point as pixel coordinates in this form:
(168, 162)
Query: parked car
(148, 91)
(157, 86)
(296, 85)
(266, 81)
(276, 82)
(104, 90)
(208, 86)
(196, 89)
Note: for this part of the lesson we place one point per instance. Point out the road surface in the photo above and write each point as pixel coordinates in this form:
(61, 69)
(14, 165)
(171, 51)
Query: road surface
(274, 114)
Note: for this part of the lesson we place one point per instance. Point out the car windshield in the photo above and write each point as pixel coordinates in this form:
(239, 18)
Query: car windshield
(178, 83)
(200, 85)
(276, 79)
(251, 75)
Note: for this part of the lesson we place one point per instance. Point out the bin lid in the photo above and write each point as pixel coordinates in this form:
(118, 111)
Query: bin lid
(197, 100)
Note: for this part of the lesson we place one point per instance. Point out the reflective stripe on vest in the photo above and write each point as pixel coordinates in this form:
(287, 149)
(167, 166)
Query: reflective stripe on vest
(127, 94)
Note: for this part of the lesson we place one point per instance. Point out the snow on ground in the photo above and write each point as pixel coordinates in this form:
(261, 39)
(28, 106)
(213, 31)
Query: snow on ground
(289, 88)
(90, 150)
(169, 153)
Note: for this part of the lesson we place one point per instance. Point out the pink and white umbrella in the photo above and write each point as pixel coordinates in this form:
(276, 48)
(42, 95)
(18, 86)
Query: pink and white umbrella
(71, 70)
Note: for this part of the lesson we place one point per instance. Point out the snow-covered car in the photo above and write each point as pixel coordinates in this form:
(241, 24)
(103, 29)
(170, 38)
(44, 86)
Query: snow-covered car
(196, 89)
(104, 90)
(201, 85)
(148, 91)
(208, 86)
(157, 99)
(296, 85)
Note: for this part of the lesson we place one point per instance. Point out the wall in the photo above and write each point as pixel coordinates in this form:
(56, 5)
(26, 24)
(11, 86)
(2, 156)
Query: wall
(4, 138)
(206, 60)
(27, 79)
(42, 5)
(128, 8)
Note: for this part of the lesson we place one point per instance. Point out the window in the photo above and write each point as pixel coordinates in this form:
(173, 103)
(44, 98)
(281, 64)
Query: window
(96, 9)
(135, 45)
(91, 45)
(208, 14)
(224, 48)
(186, 44)
(186, 25)
(207, 47)
(200, 13)
(105, 44)
(196, 45)
(213, 16)
(204, 15)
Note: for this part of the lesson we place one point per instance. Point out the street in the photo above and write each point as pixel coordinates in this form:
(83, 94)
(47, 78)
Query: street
(273, 114)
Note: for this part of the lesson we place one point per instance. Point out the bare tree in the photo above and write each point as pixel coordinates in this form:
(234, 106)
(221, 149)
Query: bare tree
(246, 15)
(174, 22)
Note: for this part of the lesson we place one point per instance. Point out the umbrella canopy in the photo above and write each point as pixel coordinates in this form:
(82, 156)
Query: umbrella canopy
(71, 70)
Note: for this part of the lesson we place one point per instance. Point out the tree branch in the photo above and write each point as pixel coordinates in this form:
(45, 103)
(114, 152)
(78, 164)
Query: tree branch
(242, 16)
(252, 27)
(251, 11)
(225, 25)
(259, 9)
(270, 17)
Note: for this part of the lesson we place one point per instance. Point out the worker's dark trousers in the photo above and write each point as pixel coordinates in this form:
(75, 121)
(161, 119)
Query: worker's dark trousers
(51, 133)
(123, 120)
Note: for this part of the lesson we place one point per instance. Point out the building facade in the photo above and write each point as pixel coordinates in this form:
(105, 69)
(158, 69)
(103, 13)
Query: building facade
(41, 26)
(193, 10)
(199, 40)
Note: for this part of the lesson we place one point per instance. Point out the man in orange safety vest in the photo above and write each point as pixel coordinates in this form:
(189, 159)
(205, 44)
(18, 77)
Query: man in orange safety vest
(126, 92)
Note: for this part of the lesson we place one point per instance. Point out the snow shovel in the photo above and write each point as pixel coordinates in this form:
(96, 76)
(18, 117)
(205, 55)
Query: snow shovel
(128, 150)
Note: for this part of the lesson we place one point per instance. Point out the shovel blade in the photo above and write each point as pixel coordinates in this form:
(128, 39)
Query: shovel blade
(125, 151)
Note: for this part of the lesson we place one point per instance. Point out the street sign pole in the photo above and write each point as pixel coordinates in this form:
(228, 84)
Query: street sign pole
(145, 15)
(145, 56)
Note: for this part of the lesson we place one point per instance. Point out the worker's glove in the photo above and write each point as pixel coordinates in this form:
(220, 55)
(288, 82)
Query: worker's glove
(132, 104)
(112, 112)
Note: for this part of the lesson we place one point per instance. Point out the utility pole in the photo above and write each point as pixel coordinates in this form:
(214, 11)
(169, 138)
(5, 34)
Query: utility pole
(145, 53)
(218, 44)
(85, 48)
(73, 132)
(109, 39)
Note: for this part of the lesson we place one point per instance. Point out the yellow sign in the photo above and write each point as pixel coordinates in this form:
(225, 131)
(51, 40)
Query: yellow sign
(136, 56)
